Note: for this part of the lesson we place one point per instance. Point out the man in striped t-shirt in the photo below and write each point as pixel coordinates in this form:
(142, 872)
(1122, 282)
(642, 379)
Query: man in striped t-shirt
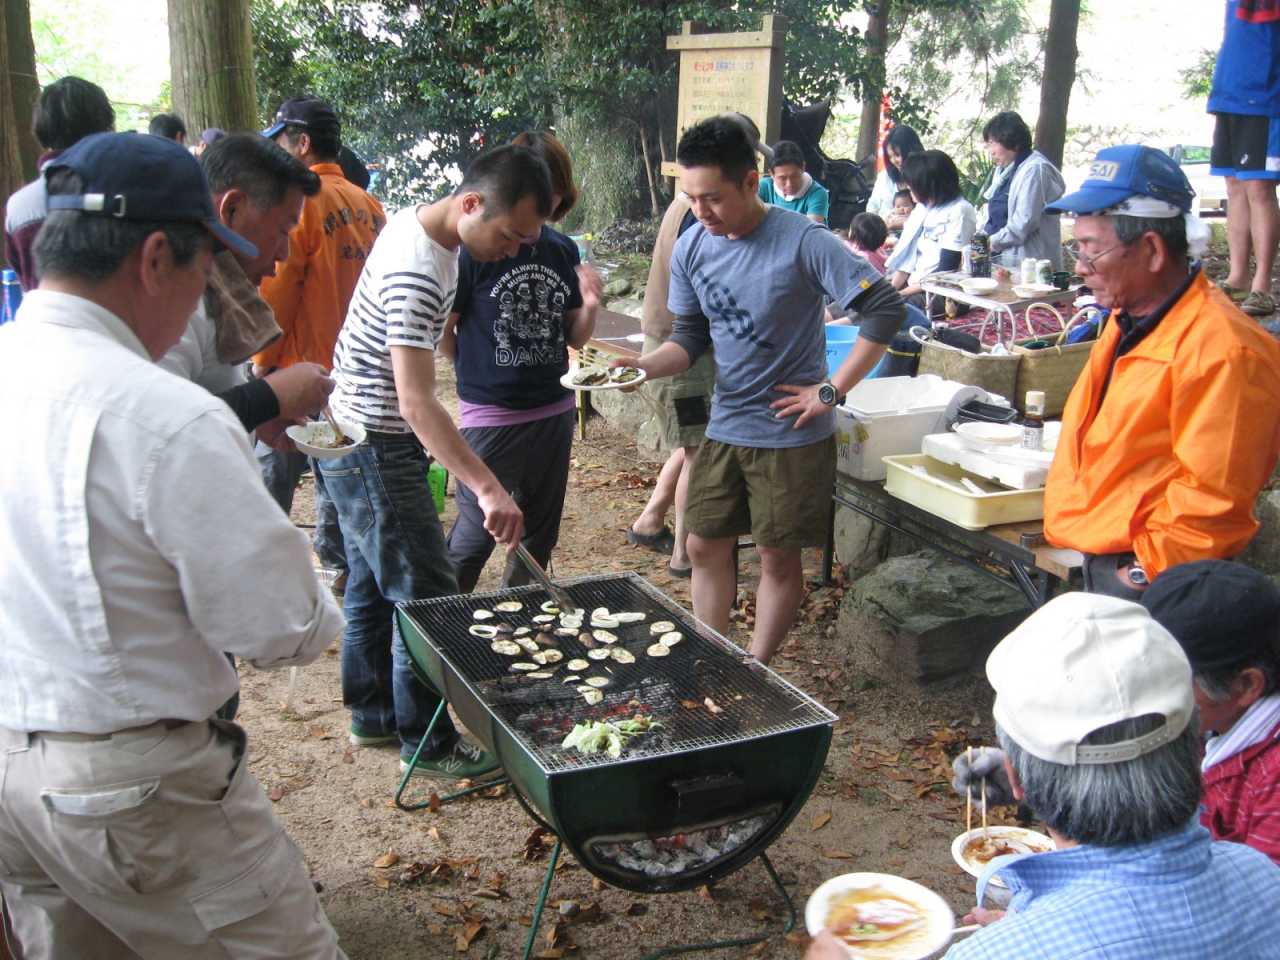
(384, 371)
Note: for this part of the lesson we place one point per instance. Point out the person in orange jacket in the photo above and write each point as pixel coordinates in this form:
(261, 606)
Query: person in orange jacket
(311, 290)
(1172, 429)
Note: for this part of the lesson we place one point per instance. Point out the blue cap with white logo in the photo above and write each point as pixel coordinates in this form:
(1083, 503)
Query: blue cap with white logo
(1118, 173)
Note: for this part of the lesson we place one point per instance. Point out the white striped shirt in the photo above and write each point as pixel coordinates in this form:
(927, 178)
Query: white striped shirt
(402, 300)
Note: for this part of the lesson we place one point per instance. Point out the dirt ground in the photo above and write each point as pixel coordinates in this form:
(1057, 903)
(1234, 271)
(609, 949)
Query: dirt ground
(462, 879)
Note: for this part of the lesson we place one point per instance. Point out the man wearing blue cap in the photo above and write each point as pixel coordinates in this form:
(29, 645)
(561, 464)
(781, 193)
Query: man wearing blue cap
(1171, 430)
(130, 824)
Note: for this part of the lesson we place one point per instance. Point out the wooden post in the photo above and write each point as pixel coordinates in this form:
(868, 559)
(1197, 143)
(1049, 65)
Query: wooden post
(731, 71)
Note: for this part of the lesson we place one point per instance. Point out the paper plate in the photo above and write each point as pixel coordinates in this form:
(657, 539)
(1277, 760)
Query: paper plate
(928, 939)
(307, 436)
(981, 436)
(567, 381)
(1038, 842)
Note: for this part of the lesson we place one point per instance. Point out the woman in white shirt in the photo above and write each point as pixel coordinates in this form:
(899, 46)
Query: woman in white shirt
(900, 143)
(938, 229)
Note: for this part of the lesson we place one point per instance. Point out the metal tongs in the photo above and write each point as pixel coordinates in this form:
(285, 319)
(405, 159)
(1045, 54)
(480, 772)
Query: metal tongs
(561, 598)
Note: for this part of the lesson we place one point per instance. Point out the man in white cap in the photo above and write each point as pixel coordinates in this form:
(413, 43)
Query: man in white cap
(1094, 709)
(1171, 430)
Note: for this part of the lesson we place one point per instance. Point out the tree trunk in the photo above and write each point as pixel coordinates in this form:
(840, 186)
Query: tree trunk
(211, 58)
(19, 88)
(655, 200)
(877, 36)
(1059, 76)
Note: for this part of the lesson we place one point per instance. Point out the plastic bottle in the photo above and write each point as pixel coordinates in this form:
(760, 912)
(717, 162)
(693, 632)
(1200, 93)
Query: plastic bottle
(980, 258)
(1033, 422)
(12, 295)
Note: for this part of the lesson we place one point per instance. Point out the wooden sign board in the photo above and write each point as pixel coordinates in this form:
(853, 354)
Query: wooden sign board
(731, 71)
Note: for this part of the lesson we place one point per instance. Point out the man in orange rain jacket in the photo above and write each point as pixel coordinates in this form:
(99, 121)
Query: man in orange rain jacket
(1172, 429)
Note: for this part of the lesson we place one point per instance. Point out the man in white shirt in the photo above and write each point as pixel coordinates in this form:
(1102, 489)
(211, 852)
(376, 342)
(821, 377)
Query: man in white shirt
(130, 824)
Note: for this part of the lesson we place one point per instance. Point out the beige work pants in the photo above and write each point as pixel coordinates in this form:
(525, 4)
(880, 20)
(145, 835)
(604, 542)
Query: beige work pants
(155, 843)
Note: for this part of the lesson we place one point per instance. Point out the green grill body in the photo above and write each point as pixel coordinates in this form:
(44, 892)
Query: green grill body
(754, 763)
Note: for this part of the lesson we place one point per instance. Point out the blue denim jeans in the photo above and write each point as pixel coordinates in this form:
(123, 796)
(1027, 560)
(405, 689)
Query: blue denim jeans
(395, 551)
(281, 472)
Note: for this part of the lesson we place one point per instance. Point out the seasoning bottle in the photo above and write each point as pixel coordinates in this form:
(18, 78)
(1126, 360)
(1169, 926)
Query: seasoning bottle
(1033, 422)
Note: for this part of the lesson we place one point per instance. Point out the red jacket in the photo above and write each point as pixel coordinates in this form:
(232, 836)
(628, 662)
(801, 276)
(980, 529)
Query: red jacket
(1242, 797)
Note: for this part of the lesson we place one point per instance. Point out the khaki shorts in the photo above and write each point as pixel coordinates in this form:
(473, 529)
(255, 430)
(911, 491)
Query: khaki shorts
(686, 398)
(782, 497)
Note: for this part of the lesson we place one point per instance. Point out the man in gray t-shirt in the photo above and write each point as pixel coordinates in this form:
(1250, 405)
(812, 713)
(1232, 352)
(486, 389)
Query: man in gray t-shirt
(754, 281)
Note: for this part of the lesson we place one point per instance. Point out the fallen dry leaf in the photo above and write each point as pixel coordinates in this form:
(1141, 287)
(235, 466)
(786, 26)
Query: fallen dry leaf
(366, 802)
(903, 839)
(433, 833)
(797, 940)
(348, 757)
(379, 880)
(837, 854)
(758, 950)
(820, 821)
(317, 731)
(704, 892)
(276, 793)
(433, 802)
(387, 860)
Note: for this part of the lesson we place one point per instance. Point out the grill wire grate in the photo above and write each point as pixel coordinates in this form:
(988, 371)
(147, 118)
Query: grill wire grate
(539, 713)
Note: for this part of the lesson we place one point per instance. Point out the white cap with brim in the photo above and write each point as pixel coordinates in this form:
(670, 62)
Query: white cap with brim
(1083, 662)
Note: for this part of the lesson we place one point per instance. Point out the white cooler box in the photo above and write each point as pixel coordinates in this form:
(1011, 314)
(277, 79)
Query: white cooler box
(882, 418)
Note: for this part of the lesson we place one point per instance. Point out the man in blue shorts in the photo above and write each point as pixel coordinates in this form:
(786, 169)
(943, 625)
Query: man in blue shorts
(754, 281)
(1245, 99)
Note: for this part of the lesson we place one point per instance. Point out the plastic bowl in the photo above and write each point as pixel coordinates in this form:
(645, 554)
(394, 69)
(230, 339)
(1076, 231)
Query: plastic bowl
(307, 437)
(1037, 842)
(935, 934)
(977, 286)
(1029, 291)
(980, 436)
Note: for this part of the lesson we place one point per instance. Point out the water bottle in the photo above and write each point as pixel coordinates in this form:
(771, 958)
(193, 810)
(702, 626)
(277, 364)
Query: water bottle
(980, 259)
(12, 295)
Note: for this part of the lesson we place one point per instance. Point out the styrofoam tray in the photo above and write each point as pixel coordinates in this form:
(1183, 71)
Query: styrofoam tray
(950, 448)
(940, 489)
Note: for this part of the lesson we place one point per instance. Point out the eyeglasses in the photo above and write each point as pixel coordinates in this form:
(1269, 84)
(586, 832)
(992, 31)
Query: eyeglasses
(1079, 257)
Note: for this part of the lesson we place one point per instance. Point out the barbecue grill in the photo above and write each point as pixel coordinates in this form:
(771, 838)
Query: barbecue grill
(686, 803)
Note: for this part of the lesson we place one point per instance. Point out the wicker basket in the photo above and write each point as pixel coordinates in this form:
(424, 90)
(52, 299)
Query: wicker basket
(1052, 370)
(994, 373)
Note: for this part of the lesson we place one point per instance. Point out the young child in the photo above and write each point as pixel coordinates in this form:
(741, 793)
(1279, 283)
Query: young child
(903, 204)
(867, 234)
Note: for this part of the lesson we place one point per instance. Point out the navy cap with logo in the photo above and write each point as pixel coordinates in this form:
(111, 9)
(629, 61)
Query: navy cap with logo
(1118, 173)
(133, 176)
(306, 112)
(1222, 613)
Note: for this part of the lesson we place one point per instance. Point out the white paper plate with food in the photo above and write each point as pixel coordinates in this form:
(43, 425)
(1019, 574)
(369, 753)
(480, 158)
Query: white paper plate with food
(973, 851)
(602, 378)
(316, 439)
(877, 916)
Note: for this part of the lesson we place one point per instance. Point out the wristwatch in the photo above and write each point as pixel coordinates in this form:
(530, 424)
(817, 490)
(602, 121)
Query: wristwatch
(1137, 576)
(827, 393)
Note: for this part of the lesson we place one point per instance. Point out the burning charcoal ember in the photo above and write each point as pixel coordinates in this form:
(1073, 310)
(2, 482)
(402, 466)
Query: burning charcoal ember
(674, 855)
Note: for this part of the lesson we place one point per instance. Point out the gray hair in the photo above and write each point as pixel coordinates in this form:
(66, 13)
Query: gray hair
(91, 248)
(1172, 230)
(1217, 683)
(1115, 804)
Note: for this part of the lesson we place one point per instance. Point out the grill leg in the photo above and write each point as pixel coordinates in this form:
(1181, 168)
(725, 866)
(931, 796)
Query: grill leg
(542, 899)
(745, 942)
(404, 780)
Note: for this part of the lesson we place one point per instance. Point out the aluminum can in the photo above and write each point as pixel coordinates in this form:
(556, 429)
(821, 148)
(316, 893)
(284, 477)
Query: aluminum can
(1029, 268)
(1044, 272)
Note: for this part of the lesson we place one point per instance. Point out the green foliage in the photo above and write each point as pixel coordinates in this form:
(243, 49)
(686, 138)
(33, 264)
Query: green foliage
(1198, 78)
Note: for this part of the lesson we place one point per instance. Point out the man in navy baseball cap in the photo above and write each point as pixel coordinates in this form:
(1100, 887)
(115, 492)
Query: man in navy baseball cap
(149, 548)
(306, 112)
(131, 177)
(1168, 434)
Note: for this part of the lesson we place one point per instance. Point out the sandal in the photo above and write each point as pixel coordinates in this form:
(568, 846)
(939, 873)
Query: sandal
(684, 573)
(1259, 304)
(663, 541)
(1237, 294)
